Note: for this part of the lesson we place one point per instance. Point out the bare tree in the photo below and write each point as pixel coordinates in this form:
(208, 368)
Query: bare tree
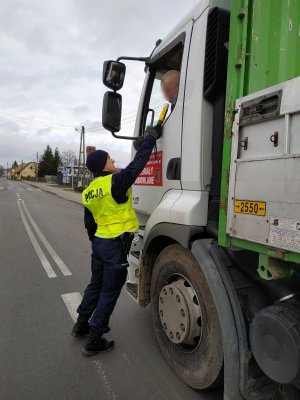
(67, 156)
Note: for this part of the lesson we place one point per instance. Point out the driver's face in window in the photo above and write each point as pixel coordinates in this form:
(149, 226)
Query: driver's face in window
(170, 85)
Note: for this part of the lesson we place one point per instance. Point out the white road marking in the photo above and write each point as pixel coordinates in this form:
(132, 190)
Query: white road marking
(108, 388)
(72, 301)
(58, 261)
(126, 359)
(45, 263)
(1, 187)
(33, 189)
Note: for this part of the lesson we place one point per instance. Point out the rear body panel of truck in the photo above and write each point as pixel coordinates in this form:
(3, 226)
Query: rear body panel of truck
(264, 50)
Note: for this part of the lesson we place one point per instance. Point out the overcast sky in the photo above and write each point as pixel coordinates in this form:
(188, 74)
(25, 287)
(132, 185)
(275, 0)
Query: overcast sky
(52, 54)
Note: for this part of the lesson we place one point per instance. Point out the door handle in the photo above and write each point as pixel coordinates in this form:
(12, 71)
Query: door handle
(274, 139)
(174, 169)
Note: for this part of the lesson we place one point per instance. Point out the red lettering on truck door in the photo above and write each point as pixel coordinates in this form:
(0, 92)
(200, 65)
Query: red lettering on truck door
(152, 173)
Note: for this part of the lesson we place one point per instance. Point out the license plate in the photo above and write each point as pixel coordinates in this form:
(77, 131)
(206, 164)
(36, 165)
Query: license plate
(250, 207)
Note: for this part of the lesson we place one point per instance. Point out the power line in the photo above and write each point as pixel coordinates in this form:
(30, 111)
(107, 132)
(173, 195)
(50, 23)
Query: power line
(133, 117)
(38, 121)
(127, 122)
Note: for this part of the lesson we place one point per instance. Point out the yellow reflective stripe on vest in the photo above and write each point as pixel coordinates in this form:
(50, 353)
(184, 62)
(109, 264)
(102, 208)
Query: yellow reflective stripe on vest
(111, 231)
(126, 215)
(112, 219)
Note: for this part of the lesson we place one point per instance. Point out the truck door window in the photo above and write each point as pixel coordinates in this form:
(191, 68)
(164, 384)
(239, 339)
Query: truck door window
(156, 99)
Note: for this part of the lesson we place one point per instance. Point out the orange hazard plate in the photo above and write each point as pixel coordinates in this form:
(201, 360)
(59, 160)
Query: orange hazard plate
(250, 207)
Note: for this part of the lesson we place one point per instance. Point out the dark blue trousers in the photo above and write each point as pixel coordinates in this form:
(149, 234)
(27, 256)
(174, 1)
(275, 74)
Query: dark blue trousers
(109, 272)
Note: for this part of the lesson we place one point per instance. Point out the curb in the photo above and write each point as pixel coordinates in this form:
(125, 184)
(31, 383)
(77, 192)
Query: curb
(54, 193)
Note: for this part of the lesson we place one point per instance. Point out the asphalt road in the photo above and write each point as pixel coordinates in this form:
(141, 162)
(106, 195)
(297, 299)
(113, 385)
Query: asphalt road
(45, 266)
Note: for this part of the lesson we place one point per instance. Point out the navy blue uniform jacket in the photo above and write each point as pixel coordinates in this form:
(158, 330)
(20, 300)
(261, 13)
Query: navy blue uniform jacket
(122, 181)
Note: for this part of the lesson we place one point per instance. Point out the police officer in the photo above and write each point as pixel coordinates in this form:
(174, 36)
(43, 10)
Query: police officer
(108, 215)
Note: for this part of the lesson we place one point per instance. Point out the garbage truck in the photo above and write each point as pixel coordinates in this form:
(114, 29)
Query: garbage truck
(217, 254)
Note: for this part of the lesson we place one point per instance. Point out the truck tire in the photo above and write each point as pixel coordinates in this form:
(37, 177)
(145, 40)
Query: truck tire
(185, 319)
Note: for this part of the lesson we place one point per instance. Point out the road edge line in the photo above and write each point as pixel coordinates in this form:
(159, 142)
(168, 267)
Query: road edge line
(43, 259)
(58, 261)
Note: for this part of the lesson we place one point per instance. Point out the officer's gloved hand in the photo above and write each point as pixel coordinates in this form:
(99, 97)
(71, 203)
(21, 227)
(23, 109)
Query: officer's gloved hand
(155, 131)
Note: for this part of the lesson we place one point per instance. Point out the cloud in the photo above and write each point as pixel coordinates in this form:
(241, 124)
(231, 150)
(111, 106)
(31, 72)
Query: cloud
(51, 63)
(81, 109)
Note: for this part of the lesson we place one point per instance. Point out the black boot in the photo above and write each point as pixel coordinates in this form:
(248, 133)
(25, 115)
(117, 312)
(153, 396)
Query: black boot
(81, 327)
(97, 344)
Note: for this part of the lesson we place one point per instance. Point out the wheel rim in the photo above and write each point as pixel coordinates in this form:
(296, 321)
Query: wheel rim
(180, 313)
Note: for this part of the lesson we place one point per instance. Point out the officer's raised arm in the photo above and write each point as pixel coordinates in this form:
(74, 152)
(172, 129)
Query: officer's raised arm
(124, 179)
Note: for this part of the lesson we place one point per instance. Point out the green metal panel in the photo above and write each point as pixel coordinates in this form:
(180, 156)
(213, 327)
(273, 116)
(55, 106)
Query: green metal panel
(283, 255)
(264, 49)
(235, 88)
(274, 43)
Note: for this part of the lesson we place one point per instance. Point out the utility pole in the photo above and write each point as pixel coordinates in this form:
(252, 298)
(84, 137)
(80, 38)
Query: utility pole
(83, 149)
(72, 164)
(6, 169)
(37, 166)
(81, 155)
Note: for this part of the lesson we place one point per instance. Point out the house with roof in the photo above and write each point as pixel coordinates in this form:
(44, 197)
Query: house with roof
(26, 171)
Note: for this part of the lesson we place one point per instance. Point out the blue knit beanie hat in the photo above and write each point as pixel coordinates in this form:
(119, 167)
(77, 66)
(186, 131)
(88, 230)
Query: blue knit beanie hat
(96, 161)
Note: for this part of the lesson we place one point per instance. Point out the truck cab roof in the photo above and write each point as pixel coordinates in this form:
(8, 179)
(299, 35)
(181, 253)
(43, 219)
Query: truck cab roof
(193, 15)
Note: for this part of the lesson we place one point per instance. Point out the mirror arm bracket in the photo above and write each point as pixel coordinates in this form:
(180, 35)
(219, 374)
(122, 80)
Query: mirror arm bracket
(145, 59)
(127, 137)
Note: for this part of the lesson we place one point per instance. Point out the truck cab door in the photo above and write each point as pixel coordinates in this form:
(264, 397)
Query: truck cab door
(162, 173)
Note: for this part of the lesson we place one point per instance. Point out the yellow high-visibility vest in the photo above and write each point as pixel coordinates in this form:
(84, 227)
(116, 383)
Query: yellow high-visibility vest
(112, 218)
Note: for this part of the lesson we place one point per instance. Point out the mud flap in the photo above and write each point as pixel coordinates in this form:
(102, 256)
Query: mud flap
(214, 278)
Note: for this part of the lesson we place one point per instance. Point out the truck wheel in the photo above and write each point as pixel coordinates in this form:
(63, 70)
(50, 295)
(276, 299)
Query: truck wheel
(185, 319)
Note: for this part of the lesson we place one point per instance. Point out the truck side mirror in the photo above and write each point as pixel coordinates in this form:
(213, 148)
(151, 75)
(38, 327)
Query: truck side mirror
(113, 74)
(112, 111)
